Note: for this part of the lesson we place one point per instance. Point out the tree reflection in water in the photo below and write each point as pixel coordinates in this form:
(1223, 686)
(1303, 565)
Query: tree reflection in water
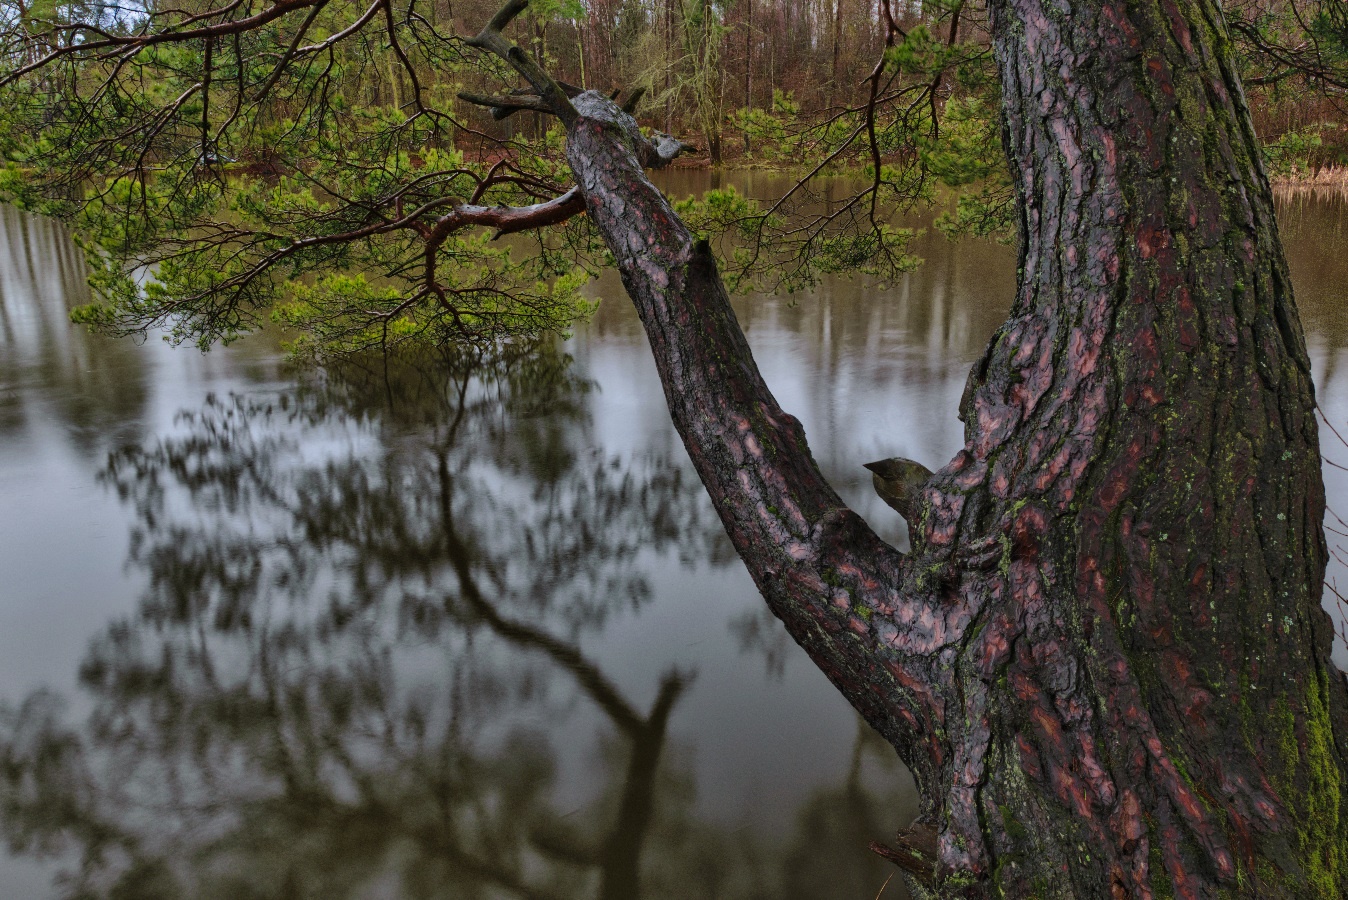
(366, 603)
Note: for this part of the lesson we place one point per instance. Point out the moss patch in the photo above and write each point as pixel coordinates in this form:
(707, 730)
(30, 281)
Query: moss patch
(1322, 834)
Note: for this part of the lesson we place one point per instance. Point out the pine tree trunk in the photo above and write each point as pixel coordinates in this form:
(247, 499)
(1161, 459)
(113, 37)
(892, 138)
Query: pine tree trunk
(1146, 695)
(1104, 659)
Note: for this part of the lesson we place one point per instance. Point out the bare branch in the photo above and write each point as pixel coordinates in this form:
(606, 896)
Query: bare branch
(505, 107)
(549, 91)
(629, 105)
(914, 852)
(351, 29)
(513, 219)
(290, 51)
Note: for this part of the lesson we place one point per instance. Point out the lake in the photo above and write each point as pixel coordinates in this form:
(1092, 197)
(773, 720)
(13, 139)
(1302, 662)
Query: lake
(467, 627)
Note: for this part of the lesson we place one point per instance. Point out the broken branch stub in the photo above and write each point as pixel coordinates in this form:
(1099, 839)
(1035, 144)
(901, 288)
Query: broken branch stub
(505, 107)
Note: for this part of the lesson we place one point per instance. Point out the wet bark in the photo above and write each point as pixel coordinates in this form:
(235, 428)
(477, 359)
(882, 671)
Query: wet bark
(1105, 659)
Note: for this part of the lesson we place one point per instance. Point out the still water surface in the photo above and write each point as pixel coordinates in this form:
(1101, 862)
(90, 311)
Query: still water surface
(469, 631)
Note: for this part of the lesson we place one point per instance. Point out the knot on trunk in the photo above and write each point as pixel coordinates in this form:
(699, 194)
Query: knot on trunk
(899, 483)
(914, 852)
(654, 152)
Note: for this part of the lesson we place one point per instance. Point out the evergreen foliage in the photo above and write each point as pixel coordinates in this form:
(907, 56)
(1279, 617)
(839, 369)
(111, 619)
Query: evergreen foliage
(311, 161)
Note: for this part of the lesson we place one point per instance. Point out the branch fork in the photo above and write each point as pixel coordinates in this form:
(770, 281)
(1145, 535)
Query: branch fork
(565, 101)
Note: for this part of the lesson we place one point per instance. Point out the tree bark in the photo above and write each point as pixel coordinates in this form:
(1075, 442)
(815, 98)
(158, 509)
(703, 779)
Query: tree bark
(1143, 430)
(1105, 659)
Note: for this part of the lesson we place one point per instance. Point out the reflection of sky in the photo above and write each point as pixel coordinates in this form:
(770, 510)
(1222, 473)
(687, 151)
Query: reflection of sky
(871, 371)
(1316, 237)
(66, 399)
(759, 745)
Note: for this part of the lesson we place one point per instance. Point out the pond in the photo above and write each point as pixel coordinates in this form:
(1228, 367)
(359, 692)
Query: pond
(466, 628)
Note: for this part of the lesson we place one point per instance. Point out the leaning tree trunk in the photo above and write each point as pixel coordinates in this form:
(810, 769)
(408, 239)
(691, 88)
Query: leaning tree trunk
(1105, 659)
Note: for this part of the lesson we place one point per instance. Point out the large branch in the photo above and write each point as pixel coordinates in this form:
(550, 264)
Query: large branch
(504, 107)
(433, 231)
(550, 93)
(829, 578)
(513, 219)
(824, 573)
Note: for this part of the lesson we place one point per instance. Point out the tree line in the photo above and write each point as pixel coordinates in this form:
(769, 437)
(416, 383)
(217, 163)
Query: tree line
(742, 73)
(710, 66)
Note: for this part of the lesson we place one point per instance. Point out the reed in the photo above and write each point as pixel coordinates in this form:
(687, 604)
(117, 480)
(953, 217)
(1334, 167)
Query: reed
(1326, 180)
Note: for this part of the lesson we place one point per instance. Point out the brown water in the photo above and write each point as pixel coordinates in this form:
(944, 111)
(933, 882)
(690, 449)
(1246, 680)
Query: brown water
(471, 632)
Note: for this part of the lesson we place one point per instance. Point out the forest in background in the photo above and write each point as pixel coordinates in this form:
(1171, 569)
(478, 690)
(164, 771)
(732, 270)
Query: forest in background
(329, 163)
(754, 77)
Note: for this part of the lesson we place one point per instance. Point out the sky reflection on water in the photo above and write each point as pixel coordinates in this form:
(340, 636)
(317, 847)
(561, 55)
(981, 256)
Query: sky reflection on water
(479, 634)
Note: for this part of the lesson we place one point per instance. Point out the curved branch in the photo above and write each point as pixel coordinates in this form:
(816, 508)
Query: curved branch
(837, 587)
(491, 38)
(505, 219)
(346, 32)
(513, 219)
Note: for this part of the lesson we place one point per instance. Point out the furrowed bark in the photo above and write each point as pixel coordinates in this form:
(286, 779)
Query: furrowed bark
(1154, 668)
(1105, 659)
(820, 567)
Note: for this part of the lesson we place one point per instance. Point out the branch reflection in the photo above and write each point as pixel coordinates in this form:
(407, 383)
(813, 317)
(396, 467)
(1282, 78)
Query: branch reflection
(360, 664)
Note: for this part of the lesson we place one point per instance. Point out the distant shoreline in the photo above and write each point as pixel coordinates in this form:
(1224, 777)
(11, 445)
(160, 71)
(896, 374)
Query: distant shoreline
(1330, 179)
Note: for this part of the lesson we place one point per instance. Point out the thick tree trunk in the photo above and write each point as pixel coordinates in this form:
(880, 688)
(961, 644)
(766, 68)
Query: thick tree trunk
(1141, 435)
(1105, 659)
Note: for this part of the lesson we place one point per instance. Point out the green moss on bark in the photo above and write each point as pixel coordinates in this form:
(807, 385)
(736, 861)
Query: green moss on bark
(1321, 829)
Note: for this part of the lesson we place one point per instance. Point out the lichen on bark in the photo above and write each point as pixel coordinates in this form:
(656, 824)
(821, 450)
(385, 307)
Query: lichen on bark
(1125, 560)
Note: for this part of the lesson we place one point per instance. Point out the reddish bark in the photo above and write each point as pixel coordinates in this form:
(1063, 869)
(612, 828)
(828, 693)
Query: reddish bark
(1104, 660)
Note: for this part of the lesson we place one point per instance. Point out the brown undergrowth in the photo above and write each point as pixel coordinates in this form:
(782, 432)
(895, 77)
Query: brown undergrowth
(1325, 180)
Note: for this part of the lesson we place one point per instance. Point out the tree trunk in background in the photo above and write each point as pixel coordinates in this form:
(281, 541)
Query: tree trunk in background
(1104, 660)
(837, 43)
(702, 46)
(749, 54)
(748, 62)
(669, 64)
